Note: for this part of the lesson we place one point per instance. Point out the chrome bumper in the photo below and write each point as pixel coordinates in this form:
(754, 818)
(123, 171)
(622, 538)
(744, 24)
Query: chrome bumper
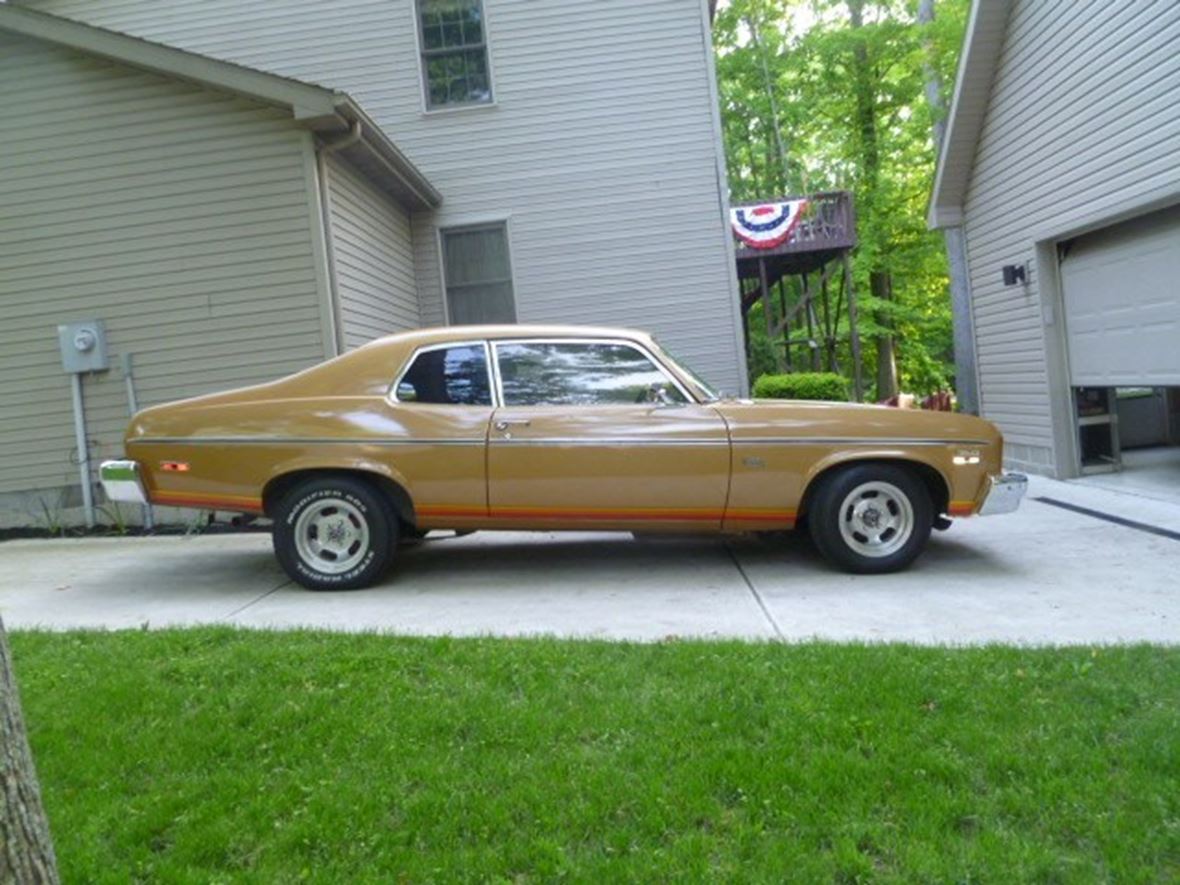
(1003, 493)
(121, 481)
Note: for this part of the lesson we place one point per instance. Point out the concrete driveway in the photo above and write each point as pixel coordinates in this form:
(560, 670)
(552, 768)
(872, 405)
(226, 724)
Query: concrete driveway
(1046, 574)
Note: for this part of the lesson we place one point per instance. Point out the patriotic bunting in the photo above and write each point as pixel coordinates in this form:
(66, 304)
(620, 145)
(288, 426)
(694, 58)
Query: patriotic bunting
(768, 225)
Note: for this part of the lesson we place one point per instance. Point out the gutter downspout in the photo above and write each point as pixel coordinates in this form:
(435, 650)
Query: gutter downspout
(355, 134)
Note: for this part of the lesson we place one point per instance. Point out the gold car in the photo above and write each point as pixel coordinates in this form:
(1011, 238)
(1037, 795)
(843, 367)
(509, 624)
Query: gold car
(551, 427)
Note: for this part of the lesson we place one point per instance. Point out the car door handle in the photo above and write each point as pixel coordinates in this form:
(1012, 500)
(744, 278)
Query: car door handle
(516, 422)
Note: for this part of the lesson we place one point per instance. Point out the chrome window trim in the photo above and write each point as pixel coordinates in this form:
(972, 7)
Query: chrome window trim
(689, 399)
(391, 395)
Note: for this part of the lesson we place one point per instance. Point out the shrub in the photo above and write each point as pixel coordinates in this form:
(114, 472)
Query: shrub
(803, 385)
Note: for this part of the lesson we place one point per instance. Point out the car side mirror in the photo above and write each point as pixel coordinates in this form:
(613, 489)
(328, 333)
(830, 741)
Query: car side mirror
(406, 393)
(657, 393)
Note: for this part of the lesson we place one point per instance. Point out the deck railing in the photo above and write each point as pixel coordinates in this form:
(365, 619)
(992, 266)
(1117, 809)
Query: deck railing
(828, 223)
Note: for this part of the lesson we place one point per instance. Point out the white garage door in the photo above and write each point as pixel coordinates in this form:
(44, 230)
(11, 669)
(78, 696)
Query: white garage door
(1122, 304)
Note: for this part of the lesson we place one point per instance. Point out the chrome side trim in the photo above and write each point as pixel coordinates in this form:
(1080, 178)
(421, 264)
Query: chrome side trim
(554, 440)
(605, 441)
(300, 441)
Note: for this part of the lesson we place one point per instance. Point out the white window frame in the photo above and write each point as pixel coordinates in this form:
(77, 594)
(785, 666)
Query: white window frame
(424, 80)
(459, 226)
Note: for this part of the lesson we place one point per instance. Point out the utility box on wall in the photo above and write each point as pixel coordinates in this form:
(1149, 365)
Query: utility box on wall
(83, 346)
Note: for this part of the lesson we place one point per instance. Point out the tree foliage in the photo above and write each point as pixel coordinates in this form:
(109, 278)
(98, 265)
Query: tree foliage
(851, 116)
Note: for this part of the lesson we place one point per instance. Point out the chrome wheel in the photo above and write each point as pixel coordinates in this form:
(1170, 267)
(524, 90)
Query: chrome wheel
(332, 536)
(876, 519)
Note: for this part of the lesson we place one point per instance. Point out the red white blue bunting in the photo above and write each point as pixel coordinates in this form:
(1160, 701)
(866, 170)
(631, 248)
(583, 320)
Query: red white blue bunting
(768, 225)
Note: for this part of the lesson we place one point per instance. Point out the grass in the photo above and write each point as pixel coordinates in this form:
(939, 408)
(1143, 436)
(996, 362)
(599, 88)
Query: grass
(215, 755)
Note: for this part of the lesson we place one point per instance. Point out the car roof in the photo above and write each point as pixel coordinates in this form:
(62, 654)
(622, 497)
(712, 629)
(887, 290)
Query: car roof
(443, 334)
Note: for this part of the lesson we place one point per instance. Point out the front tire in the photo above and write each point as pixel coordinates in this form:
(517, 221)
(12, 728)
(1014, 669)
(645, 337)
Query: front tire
(334, 533)
(871, 518)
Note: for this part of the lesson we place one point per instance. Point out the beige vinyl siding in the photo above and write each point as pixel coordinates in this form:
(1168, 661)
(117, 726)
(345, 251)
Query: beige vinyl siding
(177, 215)
(372, 255)
(1082, 115)
(600, 150)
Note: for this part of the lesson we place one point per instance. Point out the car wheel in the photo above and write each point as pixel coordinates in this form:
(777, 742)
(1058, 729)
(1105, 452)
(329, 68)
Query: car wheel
(334, 533)
(871, 518)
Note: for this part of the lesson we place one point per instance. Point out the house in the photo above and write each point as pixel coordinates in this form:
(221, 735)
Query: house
(237, 191)
(1060, 170)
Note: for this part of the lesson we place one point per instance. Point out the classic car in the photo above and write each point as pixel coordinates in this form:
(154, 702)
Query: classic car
(551, 427)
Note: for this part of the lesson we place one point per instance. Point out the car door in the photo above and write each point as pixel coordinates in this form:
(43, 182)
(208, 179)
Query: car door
(440, 408)
(595, 433)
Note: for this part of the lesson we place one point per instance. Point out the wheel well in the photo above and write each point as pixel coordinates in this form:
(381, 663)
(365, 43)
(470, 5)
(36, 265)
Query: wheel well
(931, 478)
(399, 500)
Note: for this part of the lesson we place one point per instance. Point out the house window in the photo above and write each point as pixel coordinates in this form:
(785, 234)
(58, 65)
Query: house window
(447, 376)
(454, 52)
(478, 275)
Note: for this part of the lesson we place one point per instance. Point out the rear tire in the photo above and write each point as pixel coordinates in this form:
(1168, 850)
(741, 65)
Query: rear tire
(334, 533)
(871, 518)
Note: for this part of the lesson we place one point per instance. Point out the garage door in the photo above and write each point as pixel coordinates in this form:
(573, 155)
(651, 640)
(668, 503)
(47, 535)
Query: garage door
(1122, 303)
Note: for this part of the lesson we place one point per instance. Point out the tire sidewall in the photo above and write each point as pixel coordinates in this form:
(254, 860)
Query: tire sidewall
(382, 533)
(824, 521)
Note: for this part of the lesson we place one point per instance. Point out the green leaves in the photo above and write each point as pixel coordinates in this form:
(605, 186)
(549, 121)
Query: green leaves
(803, 385)
(813, 65)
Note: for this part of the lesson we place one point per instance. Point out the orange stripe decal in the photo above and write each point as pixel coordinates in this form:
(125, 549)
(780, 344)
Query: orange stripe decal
(961, 508)
(784, 514)
(602, 514)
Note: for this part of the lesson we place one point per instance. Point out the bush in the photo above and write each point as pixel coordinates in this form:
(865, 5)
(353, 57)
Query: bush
(803, 385)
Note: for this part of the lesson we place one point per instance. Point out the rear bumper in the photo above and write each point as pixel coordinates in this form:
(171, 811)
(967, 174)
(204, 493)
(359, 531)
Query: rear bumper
(1004, 494)
(121, 481)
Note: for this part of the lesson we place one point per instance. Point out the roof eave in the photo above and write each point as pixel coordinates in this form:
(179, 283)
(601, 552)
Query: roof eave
(304, 99)
(313, 107)
(422, 193)
(982, 45)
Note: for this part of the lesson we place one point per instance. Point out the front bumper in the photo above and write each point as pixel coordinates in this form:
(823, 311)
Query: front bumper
(121, 481)
(1004, 493)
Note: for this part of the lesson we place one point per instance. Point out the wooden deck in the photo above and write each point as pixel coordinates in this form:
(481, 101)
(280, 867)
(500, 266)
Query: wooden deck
(804, 285)
(827, 230)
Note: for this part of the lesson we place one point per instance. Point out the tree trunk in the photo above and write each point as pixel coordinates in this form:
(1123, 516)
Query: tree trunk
(880, 280)
(768, 85)
(881, 286)
(26, 851)
(966, 388)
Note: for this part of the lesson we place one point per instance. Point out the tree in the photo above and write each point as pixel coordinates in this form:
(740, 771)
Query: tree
(868, 147)
(26, 851)
(846, 77)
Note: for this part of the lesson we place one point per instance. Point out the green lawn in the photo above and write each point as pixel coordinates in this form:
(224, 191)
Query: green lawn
(215, 755)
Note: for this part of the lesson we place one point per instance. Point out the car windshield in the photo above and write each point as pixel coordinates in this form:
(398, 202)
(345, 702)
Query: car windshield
(699, 385)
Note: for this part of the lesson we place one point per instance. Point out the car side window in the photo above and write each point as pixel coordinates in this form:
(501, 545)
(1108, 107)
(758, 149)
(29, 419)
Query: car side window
(557, 374)
(448, 376)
